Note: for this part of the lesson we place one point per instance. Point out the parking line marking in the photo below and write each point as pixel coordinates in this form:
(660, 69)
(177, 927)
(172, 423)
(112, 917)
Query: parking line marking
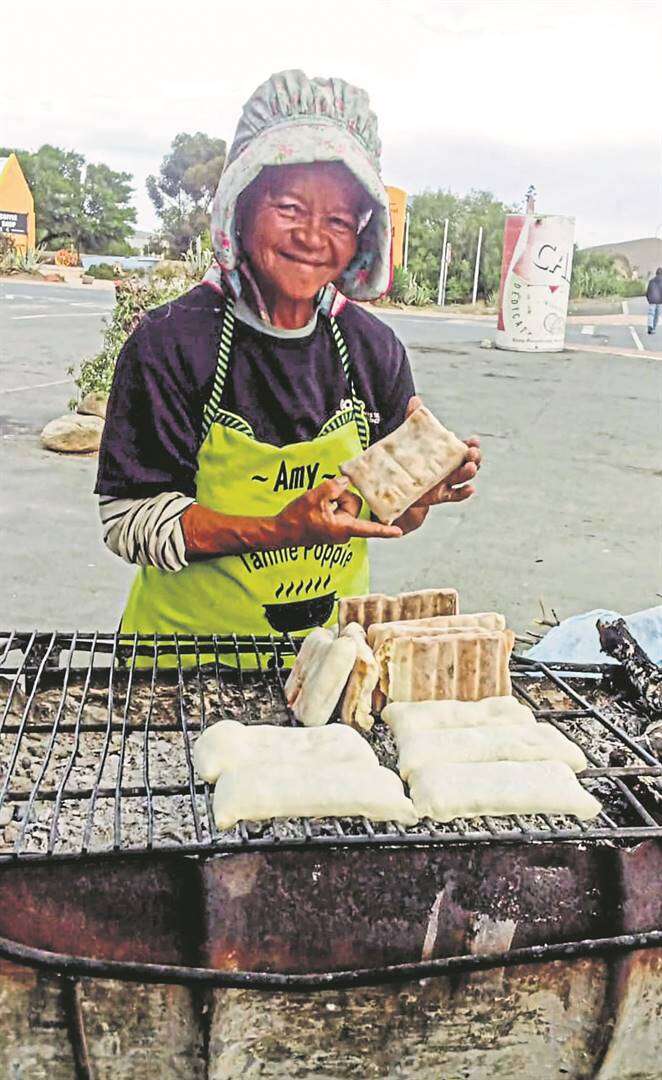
(636, 338)
(588, 330)
(35, 386)
(60, 315)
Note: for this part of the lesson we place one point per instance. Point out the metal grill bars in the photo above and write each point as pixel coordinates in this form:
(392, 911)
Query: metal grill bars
(96, 736)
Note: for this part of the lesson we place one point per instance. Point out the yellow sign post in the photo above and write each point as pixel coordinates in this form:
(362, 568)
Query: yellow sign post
(17, 218)
(397, 199)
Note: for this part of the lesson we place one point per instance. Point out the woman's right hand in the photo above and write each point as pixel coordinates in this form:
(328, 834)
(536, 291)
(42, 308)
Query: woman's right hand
(328, 514)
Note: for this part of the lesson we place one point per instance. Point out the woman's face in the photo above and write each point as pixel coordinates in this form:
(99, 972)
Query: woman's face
(299, 227)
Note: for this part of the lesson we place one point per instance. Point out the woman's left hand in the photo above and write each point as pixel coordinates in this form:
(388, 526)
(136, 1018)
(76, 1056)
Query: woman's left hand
(448, 490)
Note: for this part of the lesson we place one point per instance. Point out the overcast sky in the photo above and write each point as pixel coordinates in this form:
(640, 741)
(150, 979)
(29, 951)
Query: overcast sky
(493, 95)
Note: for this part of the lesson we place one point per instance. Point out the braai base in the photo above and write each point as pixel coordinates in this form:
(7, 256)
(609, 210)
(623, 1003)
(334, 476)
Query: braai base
(580, 1020)
(300, 912)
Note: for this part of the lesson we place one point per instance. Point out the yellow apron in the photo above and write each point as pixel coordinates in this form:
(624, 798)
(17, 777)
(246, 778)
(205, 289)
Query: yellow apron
(290, 590)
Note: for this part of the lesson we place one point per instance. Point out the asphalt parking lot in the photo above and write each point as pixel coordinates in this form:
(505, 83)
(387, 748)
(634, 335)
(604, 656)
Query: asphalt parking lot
(568, 507)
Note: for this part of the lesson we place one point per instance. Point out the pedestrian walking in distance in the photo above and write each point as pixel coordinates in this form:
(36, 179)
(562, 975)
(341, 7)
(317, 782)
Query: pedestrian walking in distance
(654, 297)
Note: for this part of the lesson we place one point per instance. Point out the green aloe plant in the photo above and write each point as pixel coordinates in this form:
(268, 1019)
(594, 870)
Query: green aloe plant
(198, 258)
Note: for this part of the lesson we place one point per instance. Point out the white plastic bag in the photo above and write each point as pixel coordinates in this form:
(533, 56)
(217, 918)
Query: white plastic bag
(576, 639)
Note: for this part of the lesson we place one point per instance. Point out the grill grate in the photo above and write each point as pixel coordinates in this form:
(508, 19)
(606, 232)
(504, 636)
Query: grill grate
(96, 738)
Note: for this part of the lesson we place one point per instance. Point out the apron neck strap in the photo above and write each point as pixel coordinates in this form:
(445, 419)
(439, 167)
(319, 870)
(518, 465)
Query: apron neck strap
(224, 345)
(212, 407)
(358, 407)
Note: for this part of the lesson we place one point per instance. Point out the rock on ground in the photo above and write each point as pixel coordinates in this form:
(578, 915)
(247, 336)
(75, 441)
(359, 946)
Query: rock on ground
(93, 404)
(73, 434)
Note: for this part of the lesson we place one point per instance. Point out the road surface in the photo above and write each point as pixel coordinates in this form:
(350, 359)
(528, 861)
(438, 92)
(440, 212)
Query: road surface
(568, 507)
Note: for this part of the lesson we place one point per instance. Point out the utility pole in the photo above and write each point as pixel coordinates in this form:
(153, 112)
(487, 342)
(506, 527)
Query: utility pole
(447, 264)
(477, 267)
(406, 253)
(442, 268)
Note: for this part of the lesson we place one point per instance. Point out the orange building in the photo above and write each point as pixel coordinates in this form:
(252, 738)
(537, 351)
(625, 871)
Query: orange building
(16, 204)
(398, 204)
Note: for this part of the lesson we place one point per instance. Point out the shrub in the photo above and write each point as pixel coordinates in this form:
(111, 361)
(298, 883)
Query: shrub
(597, 275)
(198, 257)
(66, 257)
(399, 285)
(635, 287)
(405, 289)
(18, 260)
(118, 247)
(104, 272)
(134, 296)
(169, 271)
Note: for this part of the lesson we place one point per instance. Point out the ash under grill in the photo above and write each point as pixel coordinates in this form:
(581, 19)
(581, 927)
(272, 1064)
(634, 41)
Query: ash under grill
(96, 739)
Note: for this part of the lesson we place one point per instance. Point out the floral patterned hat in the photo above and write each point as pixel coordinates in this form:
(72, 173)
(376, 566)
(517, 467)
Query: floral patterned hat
(294, 120)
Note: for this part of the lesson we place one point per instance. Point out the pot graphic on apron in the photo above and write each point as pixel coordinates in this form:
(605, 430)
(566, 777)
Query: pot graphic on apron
(287, 590)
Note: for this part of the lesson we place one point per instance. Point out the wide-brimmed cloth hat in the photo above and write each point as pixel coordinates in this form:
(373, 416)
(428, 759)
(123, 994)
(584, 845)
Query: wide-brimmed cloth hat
(293, 120)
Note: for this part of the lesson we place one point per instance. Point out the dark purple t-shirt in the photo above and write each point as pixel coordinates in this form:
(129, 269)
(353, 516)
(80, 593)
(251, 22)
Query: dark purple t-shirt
(285, 388)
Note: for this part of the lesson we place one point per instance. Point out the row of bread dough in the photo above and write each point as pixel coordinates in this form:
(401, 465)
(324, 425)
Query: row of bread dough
(466, 759)
(263, 771)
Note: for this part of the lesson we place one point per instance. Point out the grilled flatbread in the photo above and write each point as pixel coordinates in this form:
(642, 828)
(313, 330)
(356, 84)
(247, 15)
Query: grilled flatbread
(395, 471)
(521, 742)
(464, 666)
(444, 792)
(317, 639)
(357, 698)
(384, 650)
(484, 620)
(323, 681)
(258, 794)
(378, 608)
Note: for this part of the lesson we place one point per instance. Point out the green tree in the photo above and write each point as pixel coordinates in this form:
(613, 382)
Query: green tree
(107, 214)
(183, 191)
(465, 215)
(87, 206)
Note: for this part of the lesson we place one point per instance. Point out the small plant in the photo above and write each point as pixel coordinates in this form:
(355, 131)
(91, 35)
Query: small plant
(66, 257)
(104, 272)
(134, 297)
(420, 293)
(19, 260)
(405, 289)
(168, 272)
(198, 258)
(399, 285)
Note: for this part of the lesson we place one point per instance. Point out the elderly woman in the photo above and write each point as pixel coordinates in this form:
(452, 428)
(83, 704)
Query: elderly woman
(233, 406)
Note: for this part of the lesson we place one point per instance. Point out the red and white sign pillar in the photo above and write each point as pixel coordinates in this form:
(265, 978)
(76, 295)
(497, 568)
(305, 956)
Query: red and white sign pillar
(535, 282)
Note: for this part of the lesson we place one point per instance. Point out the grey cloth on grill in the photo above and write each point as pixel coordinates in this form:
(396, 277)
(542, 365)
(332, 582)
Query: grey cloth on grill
(147, 532)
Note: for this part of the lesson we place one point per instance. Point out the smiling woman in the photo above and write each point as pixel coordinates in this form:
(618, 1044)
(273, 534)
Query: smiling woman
(233, 406)
(299, 226)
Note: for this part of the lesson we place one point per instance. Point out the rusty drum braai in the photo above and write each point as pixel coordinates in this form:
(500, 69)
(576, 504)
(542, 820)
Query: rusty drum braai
(112, 868)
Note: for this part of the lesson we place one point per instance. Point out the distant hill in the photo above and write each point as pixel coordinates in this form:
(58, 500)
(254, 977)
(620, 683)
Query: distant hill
(641, 256)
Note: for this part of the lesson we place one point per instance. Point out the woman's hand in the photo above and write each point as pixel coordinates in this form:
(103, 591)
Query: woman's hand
(448, 490)
(328, 514)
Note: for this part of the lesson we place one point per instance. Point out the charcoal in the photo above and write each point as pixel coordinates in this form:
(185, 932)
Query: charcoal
(644, 676)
